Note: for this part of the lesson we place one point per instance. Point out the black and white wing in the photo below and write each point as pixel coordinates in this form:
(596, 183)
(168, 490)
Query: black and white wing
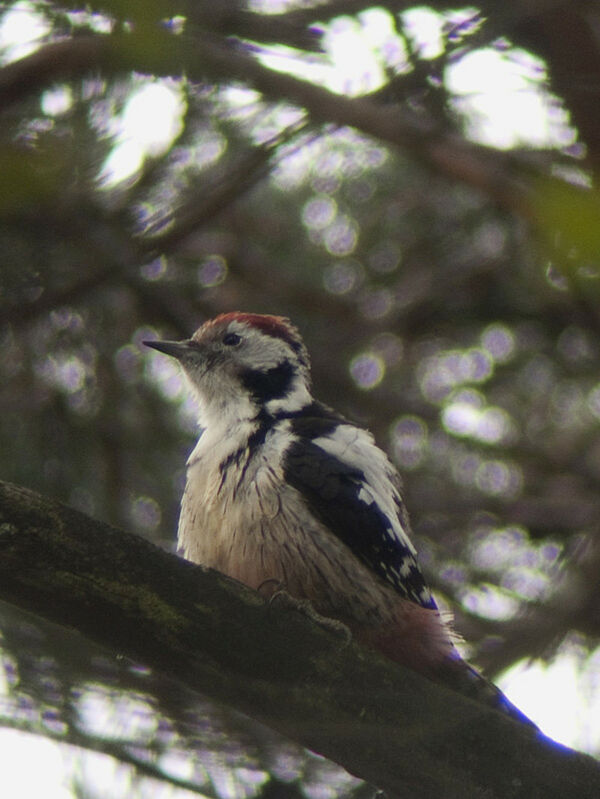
(349, 485)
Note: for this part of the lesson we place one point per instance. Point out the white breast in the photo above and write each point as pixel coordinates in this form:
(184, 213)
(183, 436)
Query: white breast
(227, 511)
(255, 528)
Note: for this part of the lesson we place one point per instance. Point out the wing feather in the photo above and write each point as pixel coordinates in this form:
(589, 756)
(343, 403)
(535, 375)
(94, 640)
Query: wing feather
(350, 486)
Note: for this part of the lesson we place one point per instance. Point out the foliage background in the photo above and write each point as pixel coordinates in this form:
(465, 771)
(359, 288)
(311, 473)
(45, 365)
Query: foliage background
(445, 280)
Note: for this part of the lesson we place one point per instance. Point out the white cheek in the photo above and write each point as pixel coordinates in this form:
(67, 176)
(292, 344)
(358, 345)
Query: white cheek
(220, 399)
(261, 352)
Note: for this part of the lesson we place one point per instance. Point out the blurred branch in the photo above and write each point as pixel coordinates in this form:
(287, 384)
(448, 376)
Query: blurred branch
(565, 35)
(502, 177)
(481, 167)
(326, 11)
(23, 313)
(291, 28)
(203, 204)
(117, 257)
(203, 58)
(573, 606)
(276, 665)
(56, 61)
(103, 746)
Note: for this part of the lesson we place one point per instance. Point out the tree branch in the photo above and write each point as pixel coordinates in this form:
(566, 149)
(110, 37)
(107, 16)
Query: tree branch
(509, 180)
(203, 204)
(206, 58)
(383, 723)
(56, 61)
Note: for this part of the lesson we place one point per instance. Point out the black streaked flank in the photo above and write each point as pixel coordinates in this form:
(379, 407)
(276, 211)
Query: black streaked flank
(255, 441)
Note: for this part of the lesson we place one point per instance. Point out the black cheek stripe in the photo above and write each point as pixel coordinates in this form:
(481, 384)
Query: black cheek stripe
(273, 384)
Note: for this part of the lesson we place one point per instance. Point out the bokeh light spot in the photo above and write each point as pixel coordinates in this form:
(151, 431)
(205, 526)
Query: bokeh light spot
(390, 347)
(499, 341)
(409, 441)
(145, 513)
(152, 116)
(342, 277)
(57, 101)
(151, 120)
(385, 257)
(466, 416)
(593, 400)
(155, 269)
(212, 271)
(65, 371)
(556, 278)
(490, 602)
(319, 212)
(441, 373)
(21, 30)
(127, 361)
(377, 303)
(341, 237)
(574, 344)
(367, 370)
(497, 478)
(166, 375)
(65, 318)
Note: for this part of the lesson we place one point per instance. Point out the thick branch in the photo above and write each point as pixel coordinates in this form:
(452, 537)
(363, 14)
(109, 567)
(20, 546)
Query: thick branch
(382, 723)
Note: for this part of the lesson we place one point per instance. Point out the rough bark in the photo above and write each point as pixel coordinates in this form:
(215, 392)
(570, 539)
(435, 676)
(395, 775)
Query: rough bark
(385, 724)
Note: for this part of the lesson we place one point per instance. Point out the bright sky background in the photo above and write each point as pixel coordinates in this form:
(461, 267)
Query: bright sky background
(500, 93)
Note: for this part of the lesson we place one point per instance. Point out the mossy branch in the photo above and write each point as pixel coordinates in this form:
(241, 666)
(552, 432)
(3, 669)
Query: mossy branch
(383, 723)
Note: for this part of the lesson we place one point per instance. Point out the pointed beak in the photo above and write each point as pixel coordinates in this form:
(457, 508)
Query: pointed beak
(177, 349)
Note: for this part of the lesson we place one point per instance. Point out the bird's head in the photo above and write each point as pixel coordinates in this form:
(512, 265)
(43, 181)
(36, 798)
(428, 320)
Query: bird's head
(244, 364)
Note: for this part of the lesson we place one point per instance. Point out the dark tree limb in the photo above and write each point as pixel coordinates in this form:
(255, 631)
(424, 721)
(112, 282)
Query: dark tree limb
(383, 723)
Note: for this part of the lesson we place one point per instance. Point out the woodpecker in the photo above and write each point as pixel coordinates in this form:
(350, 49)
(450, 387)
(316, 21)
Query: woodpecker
(283, 491)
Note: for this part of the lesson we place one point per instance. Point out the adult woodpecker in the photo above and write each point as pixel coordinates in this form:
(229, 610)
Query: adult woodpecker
(283, 491)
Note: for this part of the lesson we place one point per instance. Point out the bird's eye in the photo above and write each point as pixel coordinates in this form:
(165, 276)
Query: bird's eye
(231, 339)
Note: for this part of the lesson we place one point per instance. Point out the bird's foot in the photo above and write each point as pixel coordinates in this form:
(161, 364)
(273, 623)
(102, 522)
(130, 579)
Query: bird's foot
(282, 597)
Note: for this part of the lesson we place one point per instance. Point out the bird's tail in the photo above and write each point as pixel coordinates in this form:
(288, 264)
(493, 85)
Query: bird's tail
(464, 678)
(423, 640)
